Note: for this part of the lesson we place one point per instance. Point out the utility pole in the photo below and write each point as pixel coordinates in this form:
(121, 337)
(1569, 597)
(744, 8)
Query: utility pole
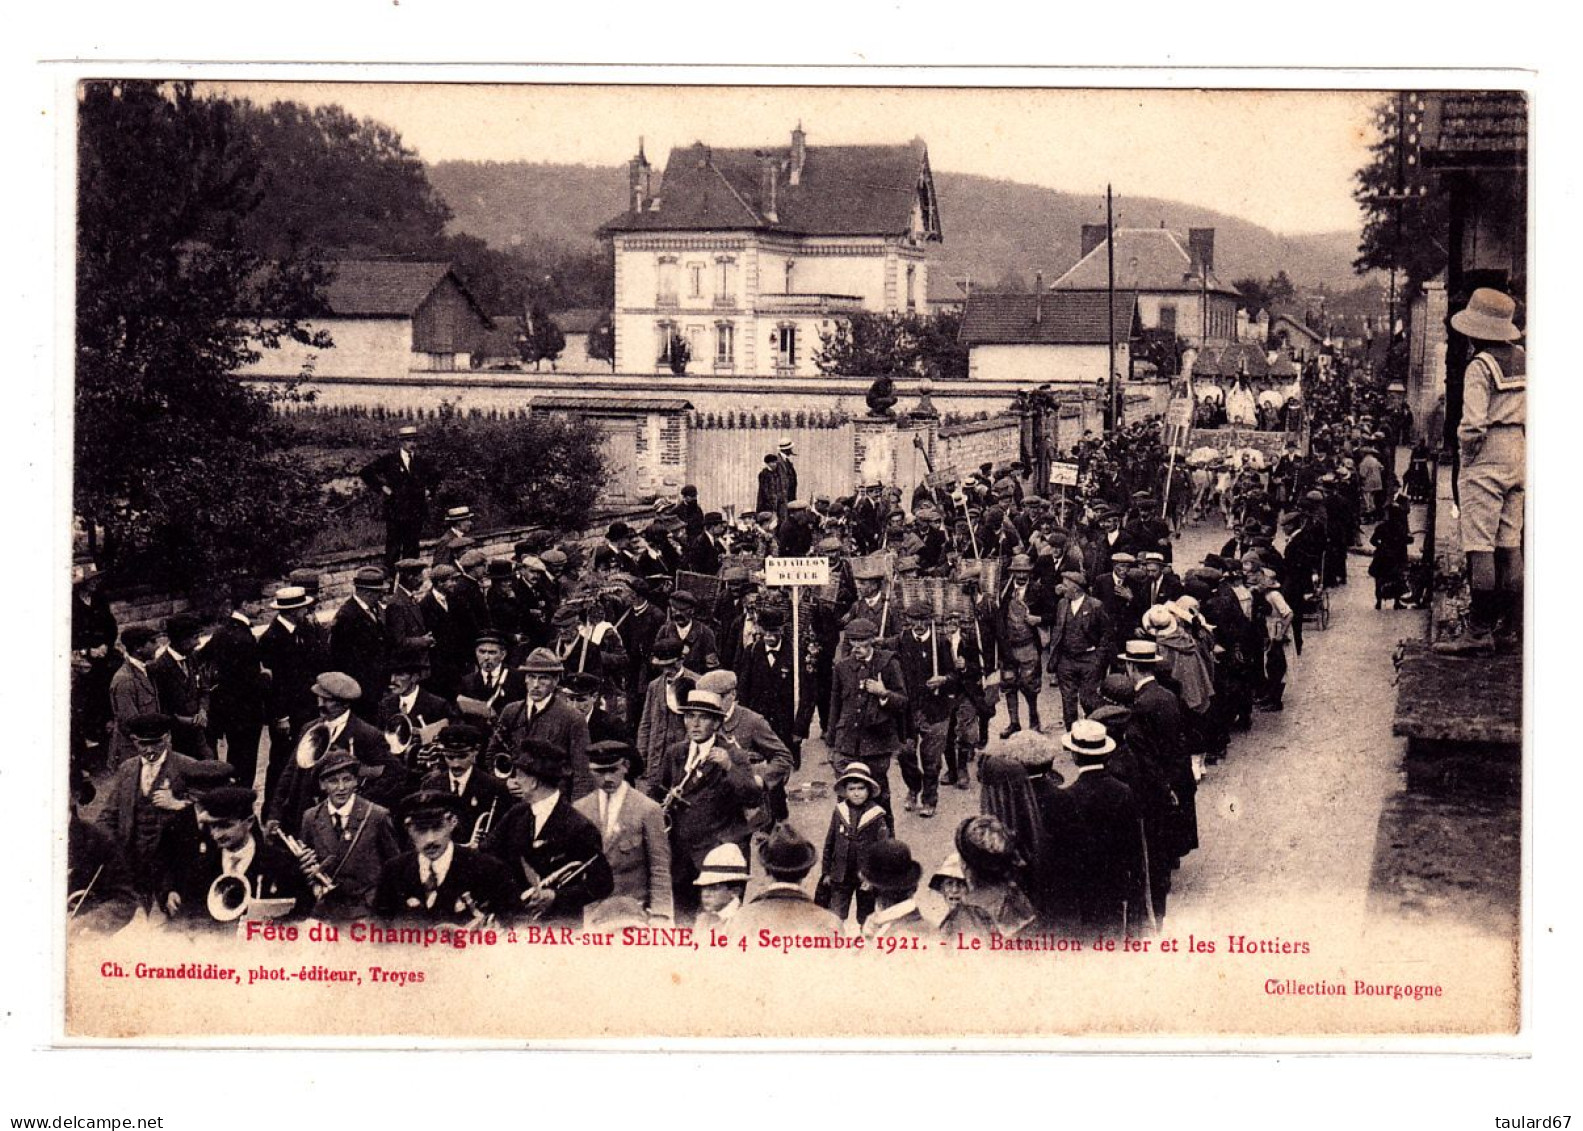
(1110, 304)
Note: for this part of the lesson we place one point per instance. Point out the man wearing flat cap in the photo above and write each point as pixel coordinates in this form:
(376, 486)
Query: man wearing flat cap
(359, 645)
(554, 854)
(544, 715)
(868, 707)
(438, 880)
(632, 830)
(384, 777)
(450, 628)
(929, 670)
(484, 795)
(660, 723)
(405, 479)
(700, 648)
(350, 837)
(146, 794)
(231, 844)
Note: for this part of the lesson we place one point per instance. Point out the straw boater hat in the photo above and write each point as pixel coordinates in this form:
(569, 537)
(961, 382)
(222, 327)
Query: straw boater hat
(705, 703)
(723, 864)
(1088, 739)
(291, 597)
(1140, 652)
(1488, 317)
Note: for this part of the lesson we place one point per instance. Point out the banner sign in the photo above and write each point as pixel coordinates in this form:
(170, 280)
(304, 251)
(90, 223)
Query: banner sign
(796, 571)
(1063, 475)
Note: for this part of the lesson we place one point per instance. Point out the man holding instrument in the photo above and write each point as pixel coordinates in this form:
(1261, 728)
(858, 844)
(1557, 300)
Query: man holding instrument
(349, 838)
(554, 854)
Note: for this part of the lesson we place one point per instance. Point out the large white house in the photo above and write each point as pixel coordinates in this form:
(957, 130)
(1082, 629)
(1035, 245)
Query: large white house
(749, 255)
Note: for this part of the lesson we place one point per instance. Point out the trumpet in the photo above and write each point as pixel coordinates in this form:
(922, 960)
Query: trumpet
(482, 826)
(322, 882)
(553, 882)
(480, 918)
(312, 745)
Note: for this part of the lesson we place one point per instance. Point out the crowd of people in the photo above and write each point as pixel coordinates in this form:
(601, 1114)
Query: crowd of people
(603, 733)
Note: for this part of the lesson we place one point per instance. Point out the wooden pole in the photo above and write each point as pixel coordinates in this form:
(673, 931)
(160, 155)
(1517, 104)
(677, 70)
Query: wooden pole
(1110, 303)
(796, 651)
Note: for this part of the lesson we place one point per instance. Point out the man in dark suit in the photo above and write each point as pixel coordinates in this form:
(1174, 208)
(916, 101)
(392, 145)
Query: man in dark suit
(555, 856)
(582, 693)
(1162, 583)
(700, 648)
(453, 634)
(1112, 888)
(404, 623)
(1155, 736)
(690, 513)
(544, 716)
(132, 690)
(1079, 640)
(632, 829)
(772, 489)
(456, 539)
(784, 452)
(351, 839)
(639, 628)
(293, 651)
(868, 706)
(236, 678)
(708, 547)
(229, 843)
(933, 688)
(469, 594)
(437, 880)
(708, 789)
(384, 777)
(359, 645)
(491, 681)
(181, 685)
(764, 680)
(406, 480)
(484, 796)
(971, 710)
(407, 696)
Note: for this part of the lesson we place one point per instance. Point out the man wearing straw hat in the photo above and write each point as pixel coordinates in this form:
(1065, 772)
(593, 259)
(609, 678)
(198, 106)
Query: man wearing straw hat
(457, 538)
(293, 651)
(1491, 484)
(1110, 873)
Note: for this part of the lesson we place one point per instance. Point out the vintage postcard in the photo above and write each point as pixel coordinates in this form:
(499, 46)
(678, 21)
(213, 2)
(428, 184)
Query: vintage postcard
(957, 565)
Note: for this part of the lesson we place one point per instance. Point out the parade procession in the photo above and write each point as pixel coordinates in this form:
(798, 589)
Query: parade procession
(1132, 658)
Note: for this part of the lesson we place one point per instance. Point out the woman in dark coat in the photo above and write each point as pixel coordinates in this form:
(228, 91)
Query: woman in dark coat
(1392, 541)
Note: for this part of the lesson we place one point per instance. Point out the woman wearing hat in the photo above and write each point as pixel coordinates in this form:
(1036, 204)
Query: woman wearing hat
(1491, 484)
(993, 904)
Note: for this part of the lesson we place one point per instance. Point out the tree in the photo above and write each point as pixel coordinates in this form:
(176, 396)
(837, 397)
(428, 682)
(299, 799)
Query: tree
(602, 343)
(1262, 294)
(180, 463)
(877, 344)
(940, 352)
(677, 354)
(544, 341)
(1403, 235)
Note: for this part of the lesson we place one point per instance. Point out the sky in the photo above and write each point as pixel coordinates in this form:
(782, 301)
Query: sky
(1281, 159)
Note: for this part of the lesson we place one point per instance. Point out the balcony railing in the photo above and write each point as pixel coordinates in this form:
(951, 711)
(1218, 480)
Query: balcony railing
(808, 304)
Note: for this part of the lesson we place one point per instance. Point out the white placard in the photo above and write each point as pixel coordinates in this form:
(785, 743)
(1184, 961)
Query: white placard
(1063, 475)
(796, 571)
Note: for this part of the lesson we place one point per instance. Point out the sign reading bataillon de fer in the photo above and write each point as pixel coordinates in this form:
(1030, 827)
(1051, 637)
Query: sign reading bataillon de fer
(796, 571)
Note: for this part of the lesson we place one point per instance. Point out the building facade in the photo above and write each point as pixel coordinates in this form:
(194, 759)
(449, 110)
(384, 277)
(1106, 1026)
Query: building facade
(1061, 338)
(750, 256)
(1174, 279)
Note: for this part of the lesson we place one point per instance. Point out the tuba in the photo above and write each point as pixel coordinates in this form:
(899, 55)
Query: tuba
(400, 735)
(312, 745)
(228, 898)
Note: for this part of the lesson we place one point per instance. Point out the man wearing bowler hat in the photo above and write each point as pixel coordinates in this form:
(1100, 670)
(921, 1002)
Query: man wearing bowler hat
(359, 645)
(405, 479)
(892, 875)
(438, 880)
(349, 838)
(553, 853)
(183, 687)
(709, 793)
(543, 715)
(632, 830)
(784, 905)
(1491, 484)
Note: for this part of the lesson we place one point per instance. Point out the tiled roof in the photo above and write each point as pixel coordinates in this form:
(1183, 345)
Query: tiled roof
(579, 320)
(1297, 324)
(1147, 259)
(1469, 129)
(1228, 361)
(1064, 318)
(844, 190)
(367, 288)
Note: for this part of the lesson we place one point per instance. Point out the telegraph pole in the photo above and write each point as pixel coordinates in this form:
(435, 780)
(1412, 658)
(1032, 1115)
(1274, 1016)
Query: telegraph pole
(1110, 303)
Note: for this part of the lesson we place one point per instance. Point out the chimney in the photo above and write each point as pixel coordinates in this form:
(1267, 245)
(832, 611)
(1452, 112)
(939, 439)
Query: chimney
(1201, 242)
(768, 175)
(638, 181)
(1093, 236)
(1038, 298)
(799, 152)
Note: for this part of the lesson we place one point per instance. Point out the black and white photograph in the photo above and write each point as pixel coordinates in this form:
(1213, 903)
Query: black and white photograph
(1055, 555)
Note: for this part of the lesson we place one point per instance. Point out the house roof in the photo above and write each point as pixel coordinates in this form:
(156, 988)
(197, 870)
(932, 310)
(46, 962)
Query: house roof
(1298, 325)
(580, 320)
(1243, 357)
(1474, 129)
(1055, 318)
(372, 288)
(843, 190)
(1147, 259)
(609, 406)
